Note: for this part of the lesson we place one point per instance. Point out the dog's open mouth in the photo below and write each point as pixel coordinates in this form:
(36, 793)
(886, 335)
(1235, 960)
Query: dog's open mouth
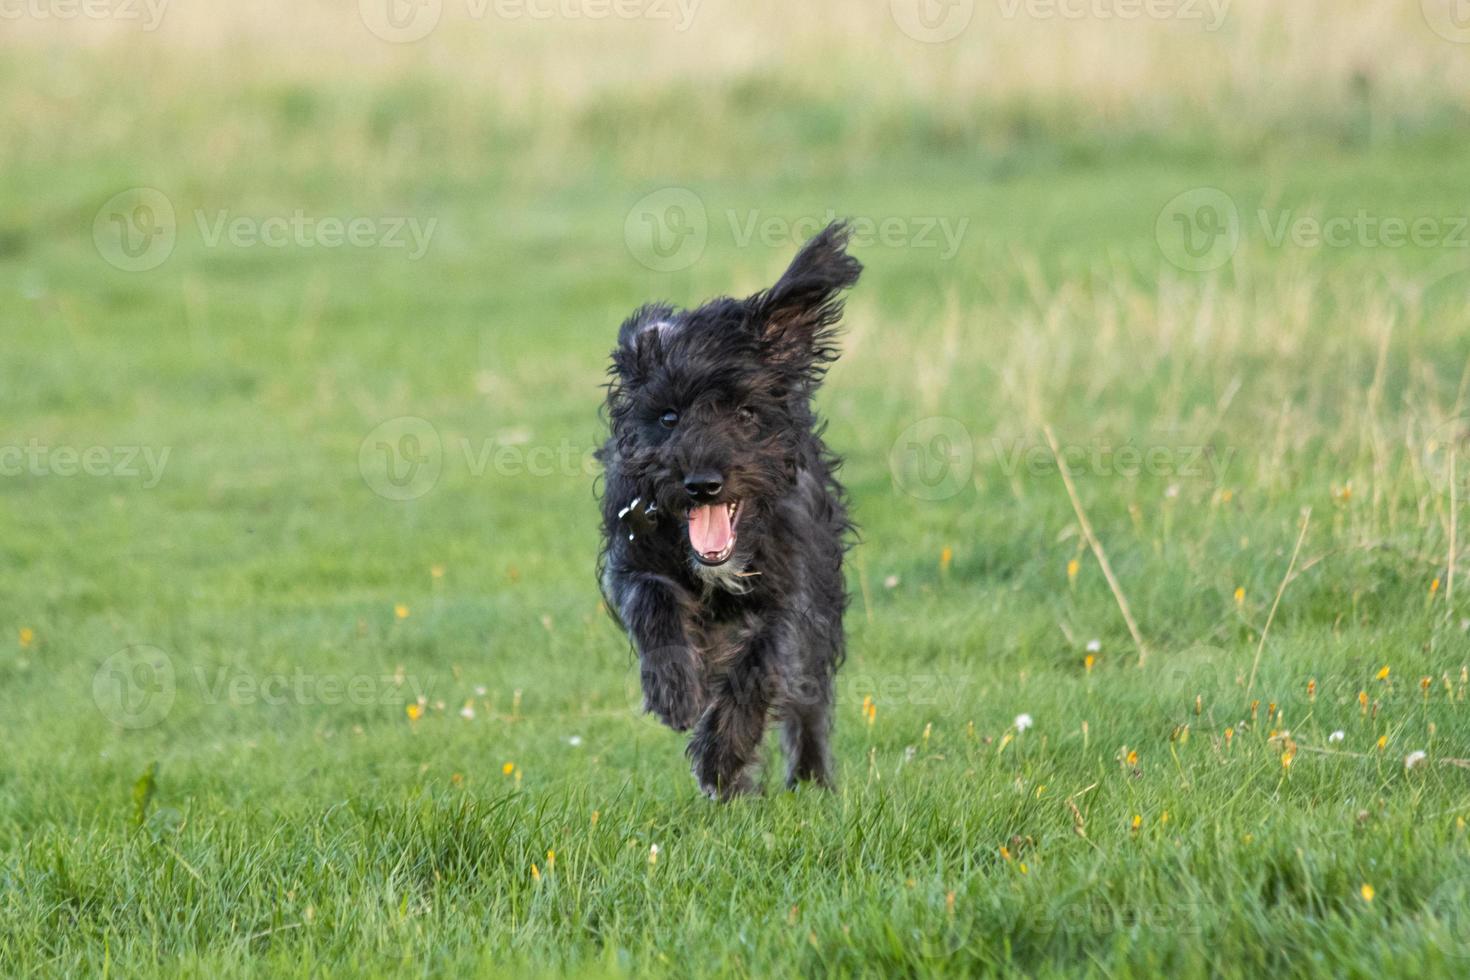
(712, 531)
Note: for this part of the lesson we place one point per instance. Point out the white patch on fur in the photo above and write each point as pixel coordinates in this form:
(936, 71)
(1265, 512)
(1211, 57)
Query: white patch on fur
(729, 576)
(664, 328)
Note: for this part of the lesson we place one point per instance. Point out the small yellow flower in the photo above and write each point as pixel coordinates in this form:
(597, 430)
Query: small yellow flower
(1073, 567)
(457, 779)
(949, 903)
(1363, 701)
(1137, 821)
(1164, 817)
(400, 611)
(1133, 757)
(1383, 673)
(928, 729)
(1089, 661)
(870, 709)
(1239, 595)
(508, 768)
(437, 571)
(27, 636)
(535, 872)
(1024, 869)
(1382, 742)
(1287, 757)
(1434, 586)
(1312, 689)
(596, 816)
(1005, 852)
(946, 555)
(415, 712)
(1367, 892)
(550, 860)
(1229, 734)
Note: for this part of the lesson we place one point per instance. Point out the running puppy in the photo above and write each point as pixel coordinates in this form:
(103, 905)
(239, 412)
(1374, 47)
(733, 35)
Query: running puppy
(724, 525)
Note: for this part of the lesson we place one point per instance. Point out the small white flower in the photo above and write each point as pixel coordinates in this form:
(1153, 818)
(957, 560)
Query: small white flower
(479, 690)
(1171, 491)
(891, 582)
(1337, 736)
(468, 711)
(1414, 758)
(1094, 646)
(575, 741)
(1023, 722)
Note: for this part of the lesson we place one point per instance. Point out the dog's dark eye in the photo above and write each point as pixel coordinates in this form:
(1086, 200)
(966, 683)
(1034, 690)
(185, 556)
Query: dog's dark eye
(747, 415)
(668, 419)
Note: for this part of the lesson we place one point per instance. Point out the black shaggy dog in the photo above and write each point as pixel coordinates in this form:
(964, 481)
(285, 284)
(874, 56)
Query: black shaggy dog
(723, 520)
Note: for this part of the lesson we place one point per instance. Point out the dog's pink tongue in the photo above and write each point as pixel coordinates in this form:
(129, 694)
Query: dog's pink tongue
(709, 529)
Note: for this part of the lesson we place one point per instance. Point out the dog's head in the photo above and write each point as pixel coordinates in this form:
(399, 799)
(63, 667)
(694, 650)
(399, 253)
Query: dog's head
(711, 407)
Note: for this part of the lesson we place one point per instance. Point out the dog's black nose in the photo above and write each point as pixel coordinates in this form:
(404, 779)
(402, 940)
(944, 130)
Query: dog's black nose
(704, 485)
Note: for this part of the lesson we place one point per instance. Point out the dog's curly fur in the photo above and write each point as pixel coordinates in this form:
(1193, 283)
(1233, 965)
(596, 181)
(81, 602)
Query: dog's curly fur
(723, 394)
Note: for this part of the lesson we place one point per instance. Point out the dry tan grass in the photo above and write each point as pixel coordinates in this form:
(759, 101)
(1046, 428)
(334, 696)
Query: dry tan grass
(1266, 59)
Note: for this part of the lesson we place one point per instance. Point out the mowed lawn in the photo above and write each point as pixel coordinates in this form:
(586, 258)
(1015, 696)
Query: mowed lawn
(303, 666)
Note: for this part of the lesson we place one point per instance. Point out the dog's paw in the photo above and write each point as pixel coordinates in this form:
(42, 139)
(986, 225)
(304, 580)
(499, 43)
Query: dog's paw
(673, 693)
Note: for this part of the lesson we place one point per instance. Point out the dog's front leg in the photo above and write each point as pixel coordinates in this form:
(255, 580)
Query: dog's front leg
(727, 741)
(668, 665)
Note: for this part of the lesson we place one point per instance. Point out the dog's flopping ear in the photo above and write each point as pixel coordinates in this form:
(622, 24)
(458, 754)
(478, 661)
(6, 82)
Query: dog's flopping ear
(797, 317)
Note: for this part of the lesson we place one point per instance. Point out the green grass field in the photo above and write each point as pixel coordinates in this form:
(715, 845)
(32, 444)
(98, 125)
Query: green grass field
(303, 669)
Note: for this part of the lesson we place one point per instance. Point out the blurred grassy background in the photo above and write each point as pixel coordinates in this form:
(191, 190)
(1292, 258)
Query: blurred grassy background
(310, 832)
